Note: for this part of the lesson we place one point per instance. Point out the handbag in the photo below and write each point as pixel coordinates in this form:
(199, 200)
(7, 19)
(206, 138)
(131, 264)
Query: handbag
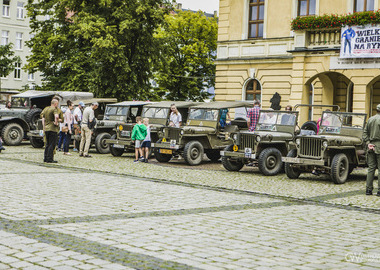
(92, 124)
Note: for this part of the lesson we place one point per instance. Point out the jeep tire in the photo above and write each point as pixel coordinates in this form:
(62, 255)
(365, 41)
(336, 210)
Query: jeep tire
(229, 164)
(36, 142)
(161, 157)
(290, 171)
(12, 134)
(340, 168)
(32, 116)
(213, 155)
(193, 153)
(270, 162)
(116, 152)
(100, 145)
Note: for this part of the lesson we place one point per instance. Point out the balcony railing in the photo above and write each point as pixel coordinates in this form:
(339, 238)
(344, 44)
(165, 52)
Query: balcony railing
(317, 38)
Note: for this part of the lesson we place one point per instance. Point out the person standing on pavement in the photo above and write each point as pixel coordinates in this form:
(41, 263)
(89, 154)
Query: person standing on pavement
(67, 125)
(147, 141)
(371, 136)
(139, 133)
(50, 116)
(78, 115)
(88, 118)
(253, 115)
(175, 116)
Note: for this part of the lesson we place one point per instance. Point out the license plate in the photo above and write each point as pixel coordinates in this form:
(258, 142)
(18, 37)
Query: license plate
(118, 146)
(291, 160)
(166, 151)
(125, 133)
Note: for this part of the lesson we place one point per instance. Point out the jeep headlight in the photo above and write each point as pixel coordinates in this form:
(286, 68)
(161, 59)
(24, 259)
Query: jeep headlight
(325, 144)
(181, 132)
(298, 141)
(235, 137)
(120, 127)
(258, 138)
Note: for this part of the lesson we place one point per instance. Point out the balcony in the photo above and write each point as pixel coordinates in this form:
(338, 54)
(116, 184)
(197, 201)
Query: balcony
(317, 39)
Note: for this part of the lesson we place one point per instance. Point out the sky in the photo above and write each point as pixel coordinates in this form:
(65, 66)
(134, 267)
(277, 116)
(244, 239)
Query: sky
(205, 5)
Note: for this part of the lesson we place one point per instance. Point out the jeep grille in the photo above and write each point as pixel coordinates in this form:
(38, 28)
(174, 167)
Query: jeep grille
(247, 141)
(174, 134)
(311, 147)
(126, 132)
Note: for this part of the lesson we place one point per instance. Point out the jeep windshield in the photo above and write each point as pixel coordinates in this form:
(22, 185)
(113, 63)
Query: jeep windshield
(335, 122)
(203, 114)
(20, 102)
(115, 110)
(161, 113)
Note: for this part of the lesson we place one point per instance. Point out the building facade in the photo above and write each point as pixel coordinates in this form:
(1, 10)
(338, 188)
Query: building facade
(14, 28)
(259, 55)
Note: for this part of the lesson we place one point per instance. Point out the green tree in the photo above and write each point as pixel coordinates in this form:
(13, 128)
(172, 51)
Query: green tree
(104, 46)
(7, 60)
(188, 43)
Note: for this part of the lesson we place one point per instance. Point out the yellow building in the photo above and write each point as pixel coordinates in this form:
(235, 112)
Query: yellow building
(259, 55)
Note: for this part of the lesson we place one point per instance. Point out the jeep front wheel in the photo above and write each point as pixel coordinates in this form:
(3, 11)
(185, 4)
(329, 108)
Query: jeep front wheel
(340, 168)
(161, 157)
(290, 171)
(116, 152)
(36, 142)
(193, 153)
(213, 155)
(230, 164)
(270, 162)
(100, 145)
(13, 134)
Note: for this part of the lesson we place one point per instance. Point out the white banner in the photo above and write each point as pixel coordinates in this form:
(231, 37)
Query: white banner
(360, 42)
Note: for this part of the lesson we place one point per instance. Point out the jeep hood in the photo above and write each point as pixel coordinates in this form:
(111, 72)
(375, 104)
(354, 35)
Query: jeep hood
(198, 130)
(341, 140)
(269, 134)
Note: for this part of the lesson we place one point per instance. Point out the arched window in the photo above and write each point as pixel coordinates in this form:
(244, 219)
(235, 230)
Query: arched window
(364, 5)
(306, 7)
(253, 90)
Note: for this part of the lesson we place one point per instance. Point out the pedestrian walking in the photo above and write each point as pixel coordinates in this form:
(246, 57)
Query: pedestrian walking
(50, 119)
(147, 141)
(138, 135)
(371, 136)
(175, 116)
(78, 115)
(61, 134)
(86, 129)
(67, 128)
(253, 115)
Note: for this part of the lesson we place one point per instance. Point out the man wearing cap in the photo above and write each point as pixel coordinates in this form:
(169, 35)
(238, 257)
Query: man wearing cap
(78, 115)
(88, 117)
(371, 136)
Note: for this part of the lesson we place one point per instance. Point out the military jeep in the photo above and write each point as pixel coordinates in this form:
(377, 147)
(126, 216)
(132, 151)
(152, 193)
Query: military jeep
(272, 139)
(25, 111)
(158, 114)
(203, 133)
(336, 150)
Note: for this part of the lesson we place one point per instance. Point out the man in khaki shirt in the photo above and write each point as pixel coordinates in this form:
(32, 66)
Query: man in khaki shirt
(50, 116)
(85, 142)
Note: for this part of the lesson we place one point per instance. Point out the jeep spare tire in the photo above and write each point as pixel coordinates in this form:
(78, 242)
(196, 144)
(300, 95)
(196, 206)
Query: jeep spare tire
(310, 125)
(32, 116)
(12, 134)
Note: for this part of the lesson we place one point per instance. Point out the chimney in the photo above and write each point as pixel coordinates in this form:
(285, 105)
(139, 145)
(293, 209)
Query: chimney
(215, 13)
(179, 6)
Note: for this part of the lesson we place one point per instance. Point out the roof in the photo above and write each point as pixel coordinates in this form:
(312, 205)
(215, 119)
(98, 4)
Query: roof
(224, 104)
(66, 95)
(99, 100)
(178, 104)
(131, 103)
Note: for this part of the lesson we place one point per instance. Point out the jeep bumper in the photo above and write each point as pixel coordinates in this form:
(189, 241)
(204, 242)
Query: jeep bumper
(303, 161)
(119, 143)
(35, 133)
(166, 146)
(237, 155)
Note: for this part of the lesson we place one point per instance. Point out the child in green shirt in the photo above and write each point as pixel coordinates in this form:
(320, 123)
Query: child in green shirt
(139, 133)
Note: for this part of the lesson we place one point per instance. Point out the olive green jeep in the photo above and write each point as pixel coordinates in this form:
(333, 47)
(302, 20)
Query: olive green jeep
(336, 150)
(158, 115)
(205, 132)
(272, 139)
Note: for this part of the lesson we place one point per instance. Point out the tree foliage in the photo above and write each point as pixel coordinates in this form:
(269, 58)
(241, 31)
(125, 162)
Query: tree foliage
(103, 46)
(188, 53)
(7, 59)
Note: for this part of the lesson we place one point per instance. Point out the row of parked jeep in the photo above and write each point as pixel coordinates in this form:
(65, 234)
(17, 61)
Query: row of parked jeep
(277, 143)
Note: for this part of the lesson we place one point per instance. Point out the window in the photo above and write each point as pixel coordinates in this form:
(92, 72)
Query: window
(30, 76)
(253, 90)
(18, 41)
(17, 74)
(20, 10)
(364, 5)
(6, 8)
(256, 18)
(306, 7)
(4, 37)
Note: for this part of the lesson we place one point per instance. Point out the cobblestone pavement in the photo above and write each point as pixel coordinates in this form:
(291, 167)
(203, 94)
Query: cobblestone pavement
(108, 213)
